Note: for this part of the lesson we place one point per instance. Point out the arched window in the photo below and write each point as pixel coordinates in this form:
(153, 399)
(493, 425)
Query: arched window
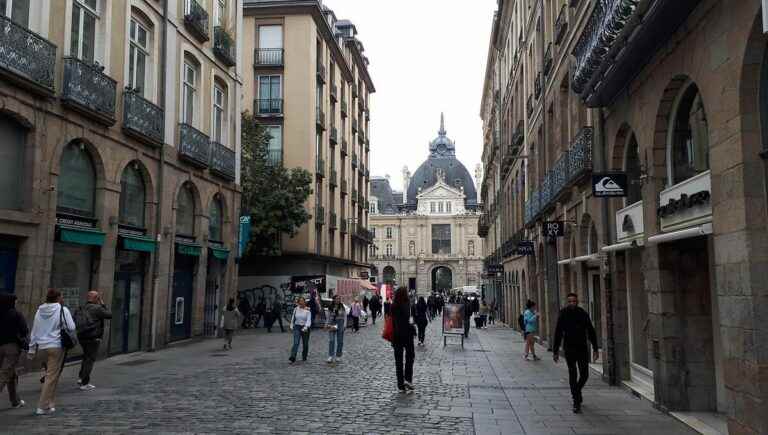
(190, 91)
(389, 249)
(132, 197)
(471, 248)
(690, 137)
(77, 181)
(185, 212)
(12, 141)
(215, 221)
(85, 27)
(632, 167)
(411, 248)
(592, 241)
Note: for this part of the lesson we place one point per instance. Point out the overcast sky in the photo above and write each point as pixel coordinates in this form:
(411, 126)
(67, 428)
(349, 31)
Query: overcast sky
(427, 57)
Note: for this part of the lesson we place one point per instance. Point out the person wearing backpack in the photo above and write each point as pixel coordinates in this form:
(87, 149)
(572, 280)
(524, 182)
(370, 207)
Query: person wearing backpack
(90, 329)
(51, 337)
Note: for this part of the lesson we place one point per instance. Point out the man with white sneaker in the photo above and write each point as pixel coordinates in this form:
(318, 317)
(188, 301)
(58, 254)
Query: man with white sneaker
(90, 329)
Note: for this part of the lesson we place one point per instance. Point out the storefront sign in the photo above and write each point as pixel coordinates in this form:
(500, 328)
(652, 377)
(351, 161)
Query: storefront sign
(126, 231)
(72, 221)
(554, 229)
(244, 236)
(524, 247)
(629, 223)
(304, 284)
(453, 319)
(609, 184)
(686, 204)
(494, 269)
(683, 203)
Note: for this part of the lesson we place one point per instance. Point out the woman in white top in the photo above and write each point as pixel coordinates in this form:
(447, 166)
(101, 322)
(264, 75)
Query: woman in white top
(50, 319)
(301, 322)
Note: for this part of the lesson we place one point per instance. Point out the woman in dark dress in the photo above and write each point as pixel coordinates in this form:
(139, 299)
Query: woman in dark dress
(421, 318)
(403, 340)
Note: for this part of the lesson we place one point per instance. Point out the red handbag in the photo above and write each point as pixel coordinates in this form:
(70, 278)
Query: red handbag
(389, 329)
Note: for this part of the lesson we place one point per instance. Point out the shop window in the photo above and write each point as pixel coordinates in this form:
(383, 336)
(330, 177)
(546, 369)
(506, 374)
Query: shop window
(185, 212)
(132, 197)
(12, 145)
(77, 181)
(215, 221)
(690, 137)
(71, 272)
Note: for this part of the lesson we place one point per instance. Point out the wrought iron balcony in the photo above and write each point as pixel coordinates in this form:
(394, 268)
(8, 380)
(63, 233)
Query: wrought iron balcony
(88, 90)
(364, 235)
(320, 72)
(354, 195)
(320, 168)
(559, 174)
(537, 85)
(196, 20)
(354, 92)
(354, 159)
(367, 173)
(194, 146)
(224, 46)
(334, 181)
(268, 106)
(354, 124)
(344, 189)
(529, 106)
(548, 60)
(518, 137)
(222, 161)
(26, 57)
(580, 154)
(367, 114)
(268, 57)
(334, 93)
(333, 224)
(343, 226)
(561, 24)
(609, 52)
(333, 136)
(361, 168)
(142, 119)
(367, 145)
(319, 215)
(344, 147)
(545, 190)
(361, 137)
(320, 119)
(343, 107)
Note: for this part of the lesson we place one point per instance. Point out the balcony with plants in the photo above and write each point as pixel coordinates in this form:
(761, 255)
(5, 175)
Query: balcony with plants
(27, 58)
(224, 46)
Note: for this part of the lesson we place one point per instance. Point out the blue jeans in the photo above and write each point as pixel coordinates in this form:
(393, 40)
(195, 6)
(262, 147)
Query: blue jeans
(336, 339)
(298, 334)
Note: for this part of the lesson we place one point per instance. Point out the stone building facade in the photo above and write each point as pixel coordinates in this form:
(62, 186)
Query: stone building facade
(119, 137)
(672, 94)
(428, 242)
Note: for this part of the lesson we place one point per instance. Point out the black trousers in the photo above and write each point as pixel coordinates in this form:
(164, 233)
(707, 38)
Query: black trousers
(404, 374)
(90, 350)
(275, 318)
(466, 327)
(356, 323)
(580, 361)
(422, 329)
(373, 316)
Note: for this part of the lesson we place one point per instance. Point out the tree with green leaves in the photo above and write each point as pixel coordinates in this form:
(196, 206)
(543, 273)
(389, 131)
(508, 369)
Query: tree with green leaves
(273, 195)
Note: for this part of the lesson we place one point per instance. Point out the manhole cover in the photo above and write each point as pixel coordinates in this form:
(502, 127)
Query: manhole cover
(137, 362)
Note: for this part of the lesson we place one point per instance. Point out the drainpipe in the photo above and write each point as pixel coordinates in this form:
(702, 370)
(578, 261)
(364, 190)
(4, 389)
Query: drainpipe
(160, 188)
(610, 351)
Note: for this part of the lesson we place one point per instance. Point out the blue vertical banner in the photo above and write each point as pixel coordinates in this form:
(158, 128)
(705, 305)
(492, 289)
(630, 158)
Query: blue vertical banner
(245, 235)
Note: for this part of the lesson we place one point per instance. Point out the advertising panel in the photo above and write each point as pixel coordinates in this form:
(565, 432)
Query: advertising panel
(453, 319)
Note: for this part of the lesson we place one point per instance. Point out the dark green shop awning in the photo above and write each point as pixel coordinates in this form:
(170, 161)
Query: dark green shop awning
(81, 236)
(220, 253)
(138, 243)
(188, 249)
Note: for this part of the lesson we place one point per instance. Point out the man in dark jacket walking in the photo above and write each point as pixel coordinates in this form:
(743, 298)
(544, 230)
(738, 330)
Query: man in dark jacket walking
(467, 315)
(14, 335)
(573, 329)
(90, 329)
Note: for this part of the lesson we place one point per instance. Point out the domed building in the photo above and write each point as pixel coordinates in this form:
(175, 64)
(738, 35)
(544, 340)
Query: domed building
(425, 237)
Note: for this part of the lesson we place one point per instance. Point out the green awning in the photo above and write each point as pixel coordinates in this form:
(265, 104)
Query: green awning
(81, 236)
(191, 250)
(138, 243)
(220, 253)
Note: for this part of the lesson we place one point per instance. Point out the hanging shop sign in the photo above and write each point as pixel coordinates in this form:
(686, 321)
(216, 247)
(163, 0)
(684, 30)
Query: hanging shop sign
(494, 269)
(609, 185)
(524, 247)
(554, 229)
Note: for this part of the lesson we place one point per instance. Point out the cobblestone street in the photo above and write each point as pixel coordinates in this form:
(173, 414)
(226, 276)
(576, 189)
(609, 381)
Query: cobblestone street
(486, 389)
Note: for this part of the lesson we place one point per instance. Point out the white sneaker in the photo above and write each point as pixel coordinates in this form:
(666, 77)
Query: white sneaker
(330, 360)
(51, 410)
(338, 359)
(39, 411)
(19, 405)
(87, 387)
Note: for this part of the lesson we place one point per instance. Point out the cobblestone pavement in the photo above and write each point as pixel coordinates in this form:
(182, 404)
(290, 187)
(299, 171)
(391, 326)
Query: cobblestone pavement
(487, 388)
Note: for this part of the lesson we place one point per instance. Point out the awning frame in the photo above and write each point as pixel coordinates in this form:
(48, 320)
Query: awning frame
(700, 230)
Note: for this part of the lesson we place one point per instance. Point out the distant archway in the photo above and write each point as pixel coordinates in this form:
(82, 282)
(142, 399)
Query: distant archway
(442, 279)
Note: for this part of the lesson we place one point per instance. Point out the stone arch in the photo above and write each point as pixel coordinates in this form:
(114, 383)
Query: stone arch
(658, 151)
(618, 156)
(389, 274)
(149, 191)
(434, 271)
(93, 151)
(17, 117)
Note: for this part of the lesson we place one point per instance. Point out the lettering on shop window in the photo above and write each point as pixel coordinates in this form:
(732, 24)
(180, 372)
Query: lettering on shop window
(685, 202)
(75, 222)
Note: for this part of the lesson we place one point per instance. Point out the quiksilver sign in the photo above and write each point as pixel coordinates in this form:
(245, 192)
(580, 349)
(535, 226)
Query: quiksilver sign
(685, 202)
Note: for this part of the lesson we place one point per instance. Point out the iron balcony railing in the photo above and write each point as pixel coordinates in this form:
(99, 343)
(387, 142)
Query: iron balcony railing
(268, 57)
(319, 215)
(354, 125)
(268, 106)
(561, 24)
(367, 113)
(518, 137)
(361, 137)
(354, 195)
(275, 157)
(580, 154)
(482, 226)
(529, 106)
(559, 173)
(343, 107)
(320, 168)
(194, 146)
(320, 72)
(354, 92)
(142, 119)
(222, 161)
(224, 46)
(354, 159)
(334, 93)
(367, 173)
(361, 168)
(27, 57)
(545, 190)
(548, 60)
(333, 224)
(333, 136)
(344, 147)
(196, 19)
(364, 234)
(344, 189)
(89, 90)
(334, 181)
(367, 145)
(343, 226)
(320, 119)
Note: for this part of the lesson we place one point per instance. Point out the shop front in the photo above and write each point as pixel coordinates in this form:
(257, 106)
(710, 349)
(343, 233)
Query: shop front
(184, 266)
(131, 263)
(214, 287)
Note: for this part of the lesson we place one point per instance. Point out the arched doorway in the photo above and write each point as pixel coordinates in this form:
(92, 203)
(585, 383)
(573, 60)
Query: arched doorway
(389, 275)
(442, 279)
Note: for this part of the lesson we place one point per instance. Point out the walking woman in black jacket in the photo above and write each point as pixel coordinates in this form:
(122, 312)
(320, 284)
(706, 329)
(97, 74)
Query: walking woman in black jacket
(403, 340)
(421, 318)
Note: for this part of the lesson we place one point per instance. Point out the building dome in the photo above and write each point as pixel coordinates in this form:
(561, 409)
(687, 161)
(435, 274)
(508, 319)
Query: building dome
(442, 158)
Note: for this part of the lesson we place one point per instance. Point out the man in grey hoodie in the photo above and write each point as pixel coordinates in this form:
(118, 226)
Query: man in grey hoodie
(90, 329)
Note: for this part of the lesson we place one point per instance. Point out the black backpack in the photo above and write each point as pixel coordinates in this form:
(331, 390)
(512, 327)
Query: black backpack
(521, 322)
